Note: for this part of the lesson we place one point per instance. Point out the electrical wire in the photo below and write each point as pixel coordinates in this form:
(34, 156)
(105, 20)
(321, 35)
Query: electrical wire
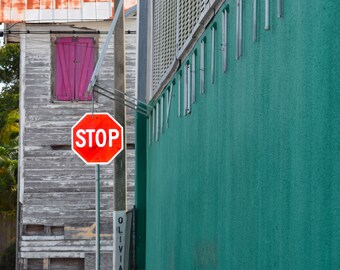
(124, 99)
(107, 88)
(51, 32)
(123, 102)
(24, 34)
(49, 42)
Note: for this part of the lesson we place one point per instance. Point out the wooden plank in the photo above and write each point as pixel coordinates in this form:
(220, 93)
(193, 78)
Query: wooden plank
(71, 248)
(70, 161)
(46, 151)
(42, 238)
(46, 264)
(67, 186)
(48, 215)
(44, 254)
(54, 118)
(78, 244)
(48, 164)
(70, 179)
(50, 110)
(57, 171)
(64, 174)
(76, 201)
(87, 231)
(71, 206)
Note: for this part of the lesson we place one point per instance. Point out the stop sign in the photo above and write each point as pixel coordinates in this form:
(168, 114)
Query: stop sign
(97, 138)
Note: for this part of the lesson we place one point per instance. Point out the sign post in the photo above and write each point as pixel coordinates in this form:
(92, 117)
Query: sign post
(119, 163)
(119, 225)
(97, 139)
(98, 217)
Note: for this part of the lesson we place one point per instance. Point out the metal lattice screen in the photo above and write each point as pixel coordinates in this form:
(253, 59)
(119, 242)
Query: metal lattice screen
(173, 23)
(189, 12)
(164, 37)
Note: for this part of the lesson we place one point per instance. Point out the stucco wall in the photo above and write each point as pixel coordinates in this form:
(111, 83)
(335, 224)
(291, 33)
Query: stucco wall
(250, 179)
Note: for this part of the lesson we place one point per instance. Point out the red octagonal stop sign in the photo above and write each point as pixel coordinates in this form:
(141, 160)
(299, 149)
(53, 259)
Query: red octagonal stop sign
(97, 138)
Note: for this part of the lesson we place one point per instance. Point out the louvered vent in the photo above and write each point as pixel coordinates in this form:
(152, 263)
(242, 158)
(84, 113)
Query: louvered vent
(189, 12)
(164, 38)
(172, 25)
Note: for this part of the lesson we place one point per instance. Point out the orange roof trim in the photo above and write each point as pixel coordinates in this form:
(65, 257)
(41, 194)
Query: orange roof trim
(58, 10)
(129, 4)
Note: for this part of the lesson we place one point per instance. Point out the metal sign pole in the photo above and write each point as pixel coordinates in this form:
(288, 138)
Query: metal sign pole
(103, 52)
(97, 217)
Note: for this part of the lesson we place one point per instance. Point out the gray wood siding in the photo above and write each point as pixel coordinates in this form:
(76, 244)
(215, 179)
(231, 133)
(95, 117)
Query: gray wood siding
(57, 188)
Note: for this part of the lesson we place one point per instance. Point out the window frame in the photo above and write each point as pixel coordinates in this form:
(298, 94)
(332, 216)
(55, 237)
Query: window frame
(54, 38)
(202, 65)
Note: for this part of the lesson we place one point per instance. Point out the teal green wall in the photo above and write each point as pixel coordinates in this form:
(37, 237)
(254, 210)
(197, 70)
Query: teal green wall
(251, 178)
(140, 188)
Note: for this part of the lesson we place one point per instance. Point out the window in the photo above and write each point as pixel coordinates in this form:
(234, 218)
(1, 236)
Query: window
(153, 124)
(162, 114)
(239, 28)
(150, 120)
(266, 16)
(193, 76)
(202, 66)
(225, 38)
(168, 101)
(157, 121)
(187, 87)
(255, 7)
(212, 73)
(74, 64)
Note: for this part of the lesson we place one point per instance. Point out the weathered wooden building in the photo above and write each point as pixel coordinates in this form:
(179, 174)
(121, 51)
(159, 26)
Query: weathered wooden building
(56, 212)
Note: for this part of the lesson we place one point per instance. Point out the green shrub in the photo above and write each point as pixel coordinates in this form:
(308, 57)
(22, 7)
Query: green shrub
(7, 258)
